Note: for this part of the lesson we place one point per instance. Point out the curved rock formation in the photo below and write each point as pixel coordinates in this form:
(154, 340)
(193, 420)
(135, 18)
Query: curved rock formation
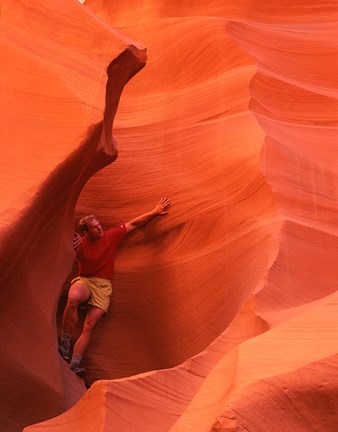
(43, 176)
(229, 302)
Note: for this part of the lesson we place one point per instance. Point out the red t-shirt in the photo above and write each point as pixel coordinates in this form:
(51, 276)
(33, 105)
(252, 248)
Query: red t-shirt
(97, 259)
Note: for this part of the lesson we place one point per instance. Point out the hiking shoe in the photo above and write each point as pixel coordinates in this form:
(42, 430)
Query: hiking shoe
(80, 372)
(64, 350)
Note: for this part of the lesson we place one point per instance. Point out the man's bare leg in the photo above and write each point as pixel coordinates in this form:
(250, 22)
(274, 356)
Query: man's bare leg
(93, 316)
(78, 293)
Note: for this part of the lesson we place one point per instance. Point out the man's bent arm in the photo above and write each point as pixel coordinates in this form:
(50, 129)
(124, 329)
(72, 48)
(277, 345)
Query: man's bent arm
(159, 210)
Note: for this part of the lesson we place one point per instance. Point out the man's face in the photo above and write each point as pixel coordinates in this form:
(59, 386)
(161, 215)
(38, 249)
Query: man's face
(95, 231)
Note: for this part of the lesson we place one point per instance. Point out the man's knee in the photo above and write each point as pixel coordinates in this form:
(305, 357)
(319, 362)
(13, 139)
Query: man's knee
(73, 302)
(90, 324)
(91, 321)
(77, 294)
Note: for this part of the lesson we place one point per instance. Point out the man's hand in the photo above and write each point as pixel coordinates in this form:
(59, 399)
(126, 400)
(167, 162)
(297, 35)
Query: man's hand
(77, 240)
(160, 208)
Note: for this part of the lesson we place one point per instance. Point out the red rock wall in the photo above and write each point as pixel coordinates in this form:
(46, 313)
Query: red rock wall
(197, 294)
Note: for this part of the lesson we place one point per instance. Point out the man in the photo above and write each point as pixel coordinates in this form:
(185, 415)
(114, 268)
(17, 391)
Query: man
(95, 253)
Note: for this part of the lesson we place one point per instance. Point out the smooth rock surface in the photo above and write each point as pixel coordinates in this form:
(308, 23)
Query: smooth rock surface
(224, 312)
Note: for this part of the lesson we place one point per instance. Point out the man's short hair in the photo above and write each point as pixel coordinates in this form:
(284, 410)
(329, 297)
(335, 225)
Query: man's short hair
(84, 220)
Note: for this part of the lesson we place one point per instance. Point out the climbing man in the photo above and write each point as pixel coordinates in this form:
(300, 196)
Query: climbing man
(95, 254)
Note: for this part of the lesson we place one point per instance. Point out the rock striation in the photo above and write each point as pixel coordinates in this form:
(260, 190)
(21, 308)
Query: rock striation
(224, 313)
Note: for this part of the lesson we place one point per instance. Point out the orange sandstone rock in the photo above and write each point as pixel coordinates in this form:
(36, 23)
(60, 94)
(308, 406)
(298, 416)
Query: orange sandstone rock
(228, 295)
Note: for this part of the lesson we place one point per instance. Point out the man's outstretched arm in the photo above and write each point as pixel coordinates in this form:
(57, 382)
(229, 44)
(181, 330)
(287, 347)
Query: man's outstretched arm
(159, 210)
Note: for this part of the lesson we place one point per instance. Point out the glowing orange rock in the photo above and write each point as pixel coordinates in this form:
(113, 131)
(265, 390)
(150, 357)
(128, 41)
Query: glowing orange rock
(197, 295)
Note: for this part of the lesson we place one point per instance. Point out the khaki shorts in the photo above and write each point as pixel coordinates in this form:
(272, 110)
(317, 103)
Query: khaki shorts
(99, 289)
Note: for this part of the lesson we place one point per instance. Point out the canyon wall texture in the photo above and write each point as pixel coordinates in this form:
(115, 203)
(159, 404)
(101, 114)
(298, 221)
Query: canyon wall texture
(224, 312)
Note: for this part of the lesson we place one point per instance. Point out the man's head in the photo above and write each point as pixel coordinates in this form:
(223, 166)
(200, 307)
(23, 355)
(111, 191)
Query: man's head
(91, 227)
